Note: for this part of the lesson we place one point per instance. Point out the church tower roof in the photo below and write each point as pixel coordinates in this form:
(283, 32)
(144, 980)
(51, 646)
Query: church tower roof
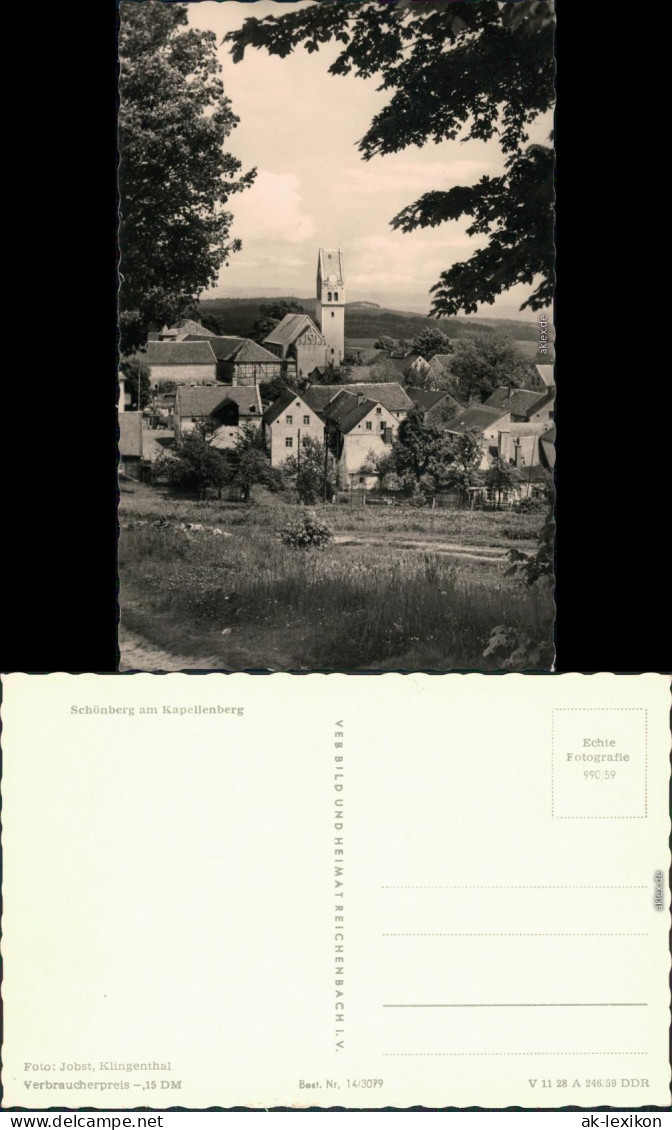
(330, 266)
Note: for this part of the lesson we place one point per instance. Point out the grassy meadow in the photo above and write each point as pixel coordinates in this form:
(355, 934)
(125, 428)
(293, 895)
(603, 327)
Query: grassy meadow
(398, 589)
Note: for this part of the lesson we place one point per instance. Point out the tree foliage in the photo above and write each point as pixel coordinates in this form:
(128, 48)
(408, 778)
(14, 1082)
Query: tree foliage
(175, 177)
(194, 465)
(484, 363)
(387, 343)
(499, 477)
(251, 463)
(431, 341)
(136, 374)
(307, 471)
(453, 70)
(271, 314)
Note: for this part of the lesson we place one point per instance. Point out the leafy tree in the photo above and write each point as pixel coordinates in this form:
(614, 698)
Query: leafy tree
(271, 313)
(272, 390)
(485, 362)
(466, 455)
(499, 478)
(136, 373)
(538, 565)
(458, 70)
(336, 374)
(419, 448)
(213, 322)
(194, 465)
(313, 478)
(386, 343)
(175, 177)
(251, 463)
(431, 341)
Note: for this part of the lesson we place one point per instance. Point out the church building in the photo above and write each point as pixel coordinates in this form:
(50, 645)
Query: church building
(298, 341)
(331, 302)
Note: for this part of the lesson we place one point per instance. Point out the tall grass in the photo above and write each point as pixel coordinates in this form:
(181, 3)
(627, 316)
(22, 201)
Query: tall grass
(350, 606)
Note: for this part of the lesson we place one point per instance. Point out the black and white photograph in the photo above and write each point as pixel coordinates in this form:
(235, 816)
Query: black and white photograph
(336, 395)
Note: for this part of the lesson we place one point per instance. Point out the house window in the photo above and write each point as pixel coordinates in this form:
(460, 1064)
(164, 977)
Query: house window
(336, 297)
(329, 296)
(379, 411)
(382, 425)
(369, 425)
(289, 442)
(289, 419)
(306, 419)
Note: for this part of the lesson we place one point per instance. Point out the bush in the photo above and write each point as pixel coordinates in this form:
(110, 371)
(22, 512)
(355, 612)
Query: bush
(531, 505)
(306, 531)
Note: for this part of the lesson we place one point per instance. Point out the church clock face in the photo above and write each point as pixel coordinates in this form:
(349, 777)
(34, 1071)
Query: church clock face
(332, 279)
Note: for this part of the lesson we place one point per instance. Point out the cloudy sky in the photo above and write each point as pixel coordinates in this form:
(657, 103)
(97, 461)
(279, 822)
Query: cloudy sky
(300, 126)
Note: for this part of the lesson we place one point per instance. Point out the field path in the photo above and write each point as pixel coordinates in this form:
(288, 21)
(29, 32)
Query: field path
(138, 654)
(460, 552)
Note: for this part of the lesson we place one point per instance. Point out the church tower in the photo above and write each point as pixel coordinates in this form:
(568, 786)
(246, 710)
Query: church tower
(331, 302)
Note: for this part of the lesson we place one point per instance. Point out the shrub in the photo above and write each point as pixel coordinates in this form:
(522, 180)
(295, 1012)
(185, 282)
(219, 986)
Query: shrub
(306, 531)
(531, 505)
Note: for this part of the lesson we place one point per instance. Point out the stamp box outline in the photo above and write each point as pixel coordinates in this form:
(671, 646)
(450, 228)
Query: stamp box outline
(567, 709)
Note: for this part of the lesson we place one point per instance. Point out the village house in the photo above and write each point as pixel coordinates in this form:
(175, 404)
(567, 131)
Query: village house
(180, 331)
(130, 444)
(241, 361)
(542, 379)
(388, 393)
(180, 362)
(229, 409)
(436, 405)
(530, 414)
(493, 425)
(358, 428)
(287, 423)
(525, 406)
(124, 402)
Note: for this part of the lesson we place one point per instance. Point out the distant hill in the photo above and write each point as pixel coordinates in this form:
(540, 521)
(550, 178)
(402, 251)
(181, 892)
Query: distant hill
(366, 320)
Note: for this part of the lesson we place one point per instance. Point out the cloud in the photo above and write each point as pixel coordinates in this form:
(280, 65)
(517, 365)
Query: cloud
(376, 177)
(273, 209)
(406, 262)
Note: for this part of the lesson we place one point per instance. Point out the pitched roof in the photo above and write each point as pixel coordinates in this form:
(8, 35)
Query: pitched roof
(130, 433)
(429, 398)
(238, 349)
(388, 393)
(547, 447)
(444, 359)
(518, 401)
(330, 262)
(203, 400)
(476, 416)
(278, 406)
(534, 474)
(546, 372)
(347, 409)
(291, 326)
(178, 353)
(189, 326)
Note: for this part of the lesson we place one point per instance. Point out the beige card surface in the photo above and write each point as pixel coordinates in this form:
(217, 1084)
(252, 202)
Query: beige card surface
(335, 891)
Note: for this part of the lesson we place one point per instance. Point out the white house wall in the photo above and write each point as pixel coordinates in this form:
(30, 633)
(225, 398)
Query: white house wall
(183, 374)
(360, 441)
(280, 430)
